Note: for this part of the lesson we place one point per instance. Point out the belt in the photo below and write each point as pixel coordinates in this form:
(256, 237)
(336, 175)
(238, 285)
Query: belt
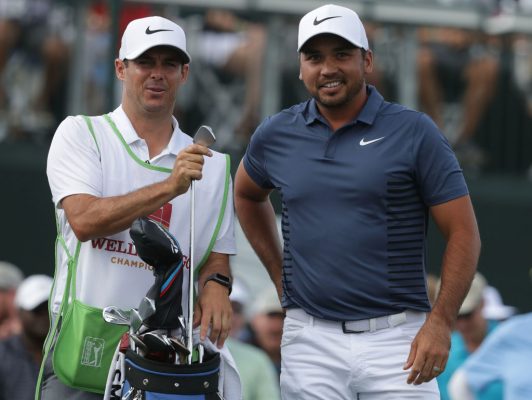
(360, 326)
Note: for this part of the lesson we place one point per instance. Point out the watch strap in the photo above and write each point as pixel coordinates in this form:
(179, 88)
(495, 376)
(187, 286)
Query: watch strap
(221, 280)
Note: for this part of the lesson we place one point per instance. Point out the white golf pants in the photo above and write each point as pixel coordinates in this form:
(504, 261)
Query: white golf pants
(321, 362)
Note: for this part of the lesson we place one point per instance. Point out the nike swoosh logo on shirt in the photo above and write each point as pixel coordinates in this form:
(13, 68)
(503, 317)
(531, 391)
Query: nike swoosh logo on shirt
(149, 31)
(319, 21)
(364, 143)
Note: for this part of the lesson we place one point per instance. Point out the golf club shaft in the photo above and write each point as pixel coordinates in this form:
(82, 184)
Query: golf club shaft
(205, 137)
(191, 272)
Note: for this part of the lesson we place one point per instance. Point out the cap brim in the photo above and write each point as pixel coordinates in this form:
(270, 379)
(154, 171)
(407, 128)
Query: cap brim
(134, 54)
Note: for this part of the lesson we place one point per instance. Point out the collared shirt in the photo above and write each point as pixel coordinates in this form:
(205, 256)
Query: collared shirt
(139, 146)
(355, 204)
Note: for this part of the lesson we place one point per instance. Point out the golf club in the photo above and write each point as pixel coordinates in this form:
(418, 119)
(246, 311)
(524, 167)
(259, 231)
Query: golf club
(142, 349)
(135, 321)
(159, 348)
(205, 137)
(146, 308)
(117, 316)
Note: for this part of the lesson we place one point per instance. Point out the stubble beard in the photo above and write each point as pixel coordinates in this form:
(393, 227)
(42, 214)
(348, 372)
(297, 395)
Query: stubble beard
(332, 103)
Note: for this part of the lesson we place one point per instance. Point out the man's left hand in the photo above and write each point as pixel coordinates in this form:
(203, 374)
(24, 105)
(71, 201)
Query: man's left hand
(429, 352)
(213, 312)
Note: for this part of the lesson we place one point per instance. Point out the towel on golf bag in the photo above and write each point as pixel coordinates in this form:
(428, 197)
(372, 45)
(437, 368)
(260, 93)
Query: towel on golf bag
(228, 380)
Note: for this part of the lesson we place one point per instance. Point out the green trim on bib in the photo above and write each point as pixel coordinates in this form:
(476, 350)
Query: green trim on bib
(130, 152)
(91, 130)
(220, 216)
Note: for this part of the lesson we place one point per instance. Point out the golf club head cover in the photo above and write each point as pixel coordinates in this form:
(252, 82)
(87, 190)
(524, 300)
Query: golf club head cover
(158, 248)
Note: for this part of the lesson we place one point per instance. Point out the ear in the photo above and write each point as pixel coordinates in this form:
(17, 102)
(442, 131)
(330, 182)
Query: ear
(184, 72)
(368, 62)
(120, 69)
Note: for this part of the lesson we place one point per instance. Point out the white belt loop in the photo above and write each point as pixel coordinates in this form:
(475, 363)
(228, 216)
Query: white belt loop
(373, 324)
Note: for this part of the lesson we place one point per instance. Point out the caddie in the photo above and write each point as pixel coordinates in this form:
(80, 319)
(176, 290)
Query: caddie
(108, 170)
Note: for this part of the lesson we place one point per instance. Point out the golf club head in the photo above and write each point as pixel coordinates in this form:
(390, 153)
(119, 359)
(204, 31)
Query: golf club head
(135, 320)
(158, 347)
(155, 245)
(204, 136)
(117, 316)
(178, 346)
(146, 308)
(142, 349)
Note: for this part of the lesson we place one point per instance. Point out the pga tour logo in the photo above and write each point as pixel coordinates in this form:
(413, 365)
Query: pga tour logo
(92, 352)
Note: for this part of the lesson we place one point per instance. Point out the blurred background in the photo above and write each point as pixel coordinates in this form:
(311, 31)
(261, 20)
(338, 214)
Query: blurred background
(467, 63)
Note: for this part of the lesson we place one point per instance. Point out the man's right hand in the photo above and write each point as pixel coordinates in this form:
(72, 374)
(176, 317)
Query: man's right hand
(188, 166)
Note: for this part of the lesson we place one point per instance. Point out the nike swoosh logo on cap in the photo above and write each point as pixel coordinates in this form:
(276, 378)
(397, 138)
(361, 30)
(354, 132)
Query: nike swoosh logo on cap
(149, 31)
(319, 21)
(363, 142)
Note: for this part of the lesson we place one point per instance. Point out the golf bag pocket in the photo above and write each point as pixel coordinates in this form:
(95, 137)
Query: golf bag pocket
(163, 381)
(85, 347)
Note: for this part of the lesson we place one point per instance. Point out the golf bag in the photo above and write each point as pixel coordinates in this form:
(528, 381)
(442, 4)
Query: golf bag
(150, 363)
(154, 380)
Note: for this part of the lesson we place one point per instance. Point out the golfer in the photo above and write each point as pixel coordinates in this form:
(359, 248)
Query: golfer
(106, 171)
(358, 177)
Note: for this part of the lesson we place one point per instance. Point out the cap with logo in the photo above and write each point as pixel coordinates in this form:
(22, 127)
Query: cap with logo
(332, 19)
(33, 292)
(144, 33)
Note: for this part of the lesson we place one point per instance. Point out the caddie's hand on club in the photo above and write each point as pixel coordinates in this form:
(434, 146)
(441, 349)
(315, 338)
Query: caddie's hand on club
(213, 311)
(429, 352)
(188, 166)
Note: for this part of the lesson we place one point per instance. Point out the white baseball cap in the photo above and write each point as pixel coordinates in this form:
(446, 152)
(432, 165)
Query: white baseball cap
(332, 19)
(266, 302)
(474, 296)
(33, 291)
(144, 33)
(10, 276)
(494, 308)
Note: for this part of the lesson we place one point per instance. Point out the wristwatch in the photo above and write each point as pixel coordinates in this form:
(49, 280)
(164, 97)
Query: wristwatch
(220, 279)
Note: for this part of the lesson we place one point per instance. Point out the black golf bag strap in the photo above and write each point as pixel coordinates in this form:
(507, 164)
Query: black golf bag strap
(185, 379)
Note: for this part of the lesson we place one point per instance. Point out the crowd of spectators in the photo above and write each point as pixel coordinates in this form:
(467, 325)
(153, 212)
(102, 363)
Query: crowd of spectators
(471, 82)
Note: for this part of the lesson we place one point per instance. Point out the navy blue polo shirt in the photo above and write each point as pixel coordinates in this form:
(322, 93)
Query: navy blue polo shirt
(355, 205)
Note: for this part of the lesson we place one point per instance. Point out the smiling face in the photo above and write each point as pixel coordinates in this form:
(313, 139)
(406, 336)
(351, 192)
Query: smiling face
(151, 80)
(334, 71)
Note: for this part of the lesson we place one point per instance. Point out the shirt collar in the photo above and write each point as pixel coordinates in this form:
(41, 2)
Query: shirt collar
(120, 118)
(366, 115)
